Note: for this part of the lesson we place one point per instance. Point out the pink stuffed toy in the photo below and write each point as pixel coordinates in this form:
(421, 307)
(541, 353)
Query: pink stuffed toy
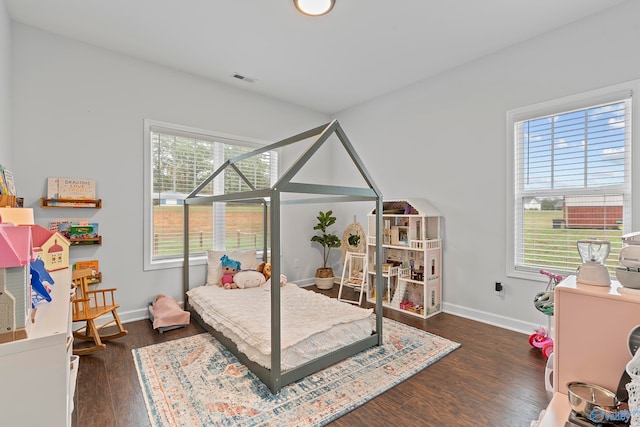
(229, 268)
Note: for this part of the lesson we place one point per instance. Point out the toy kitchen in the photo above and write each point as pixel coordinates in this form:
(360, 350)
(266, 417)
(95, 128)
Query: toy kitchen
(597, 333)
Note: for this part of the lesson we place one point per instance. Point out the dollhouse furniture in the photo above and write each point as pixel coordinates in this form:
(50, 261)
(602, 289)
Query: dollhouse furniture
(272, 200)
(354, 275)
(412, 257)
(89, 305)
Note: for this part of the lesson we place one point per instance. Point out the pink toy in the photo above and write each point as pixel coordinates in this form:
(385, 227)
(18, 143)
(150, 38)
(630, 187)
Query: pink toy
(543, 301)
(229, 268)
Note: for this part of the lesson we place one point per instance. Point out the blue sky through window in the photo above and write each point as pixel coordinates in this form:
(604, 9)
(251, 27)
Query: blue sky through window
(576, 149)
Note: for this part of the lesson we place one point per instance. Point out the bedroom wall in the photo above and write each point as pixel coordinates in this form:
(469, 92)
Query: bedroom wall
(5, 87)
(444, 139)
(78, 111)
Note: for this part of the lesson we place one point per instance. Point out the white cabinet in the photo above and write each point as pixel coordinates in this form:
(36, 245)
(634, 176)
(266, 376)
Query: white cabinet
(35, 372)
(412, 257)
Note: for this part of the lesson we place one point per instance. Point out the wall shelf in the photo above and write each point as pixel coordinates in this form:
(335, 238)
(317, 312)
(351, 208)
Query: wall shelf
(70, 203)
(87, 242)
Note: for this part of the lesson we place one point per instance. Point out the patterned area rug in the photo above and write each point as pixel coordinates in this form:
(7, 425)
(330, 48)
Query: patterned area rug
(195, 381)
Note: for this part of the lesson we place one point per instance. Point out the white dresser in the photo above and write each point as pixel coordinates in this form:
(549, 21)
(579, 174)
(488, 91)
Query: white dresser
(35, 375)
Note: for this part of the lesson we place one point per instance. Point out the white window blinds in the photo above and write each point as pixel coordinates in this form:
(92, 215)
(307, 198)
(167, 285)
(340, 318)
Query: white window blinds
(180, 161)
(572, 182)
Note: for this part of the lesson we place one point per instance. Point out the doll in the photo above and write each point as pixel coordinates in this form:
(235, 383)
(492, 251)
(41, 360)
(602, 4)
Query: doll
(229, 268)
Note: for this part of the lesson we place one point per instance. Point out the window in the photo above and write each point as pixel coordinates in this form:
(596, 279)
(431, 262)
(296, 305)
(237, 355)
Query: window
(177, 160)
(571, 179)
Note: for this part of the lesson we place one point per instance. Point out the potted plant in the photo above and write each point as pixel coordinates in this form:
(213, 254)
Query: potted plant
(328, 240)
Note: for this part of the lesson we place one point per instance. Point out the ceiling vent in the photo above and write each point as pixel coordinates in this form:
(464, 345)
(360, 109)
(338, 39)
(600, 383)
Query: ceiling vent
(243, 78)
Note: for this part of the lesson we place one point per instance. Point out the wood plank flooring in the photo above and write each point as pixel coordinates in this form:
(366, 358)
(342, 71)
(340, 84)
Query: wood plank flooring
(495, 379)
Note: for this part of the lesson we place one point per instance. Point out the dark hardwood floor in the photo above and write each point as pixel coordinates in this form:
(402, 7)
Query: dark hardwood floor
(494, 379)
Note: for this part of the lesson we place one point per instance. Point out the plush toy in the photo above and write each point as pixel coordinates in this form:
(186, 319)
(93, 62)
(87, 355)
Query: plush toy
(229, 268)
(265, 268)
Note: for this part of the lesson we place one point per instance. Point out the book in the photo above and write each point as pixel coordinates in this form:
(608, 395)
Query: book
(63, 225)
(73, 189)
(3, 183)
(92, 264)
(9, 181)
(83, 232)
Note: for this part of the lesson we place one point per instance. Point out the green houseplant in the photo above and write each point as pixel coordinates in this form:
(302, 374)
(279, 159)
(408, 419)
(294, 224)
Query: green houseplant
(328, 240)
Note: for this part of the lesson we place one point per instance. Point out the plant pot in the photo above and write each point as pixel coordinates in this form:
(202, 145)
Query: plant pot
(324, 278)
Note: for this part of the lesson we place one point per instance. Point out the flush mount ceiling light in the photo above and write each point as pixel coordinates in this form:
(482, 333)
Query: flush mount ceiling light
(314, 7)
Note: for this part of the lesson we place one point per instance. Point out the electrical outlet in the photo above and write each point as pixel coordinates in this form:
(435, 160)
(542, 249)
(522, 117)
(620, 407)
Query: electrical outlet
(499, 289)
(296, 263)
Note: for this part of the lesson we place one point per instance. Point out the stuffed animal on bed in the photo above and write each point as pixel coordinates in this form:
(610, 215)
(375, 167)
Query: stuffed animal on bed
(265, 269)
(229, 268)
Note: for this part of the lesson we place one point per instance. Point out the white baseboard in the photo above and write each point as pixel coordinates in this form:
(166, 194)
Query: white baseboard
(132, 316)
(125, 317)
(457, 310)
(491, 318)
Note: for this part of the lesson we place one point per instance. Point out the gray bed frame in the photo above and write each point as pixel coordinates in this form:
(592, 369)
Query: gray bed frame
(270, 199)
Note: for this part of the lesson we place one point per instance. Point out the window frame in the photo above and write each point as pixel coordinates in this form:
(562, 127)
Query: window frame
(575, 102)
(148, 124)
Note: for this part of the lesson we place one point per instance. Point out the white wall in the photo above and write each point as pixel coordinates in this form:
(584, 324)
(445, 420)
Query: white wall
(78, 112)
(444, 139)
(5, 87)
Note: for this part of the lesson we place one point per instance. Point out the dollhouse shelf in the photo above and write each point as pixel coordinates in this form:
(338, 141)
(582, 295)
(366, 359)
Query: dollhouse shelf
(70, 203)
(87, 242)
(412, 257)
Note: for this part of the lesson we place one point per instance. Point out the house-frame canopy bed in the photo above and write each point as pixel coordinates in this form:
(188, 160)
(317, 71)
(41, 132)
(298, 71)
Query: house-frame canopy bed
(275, 373)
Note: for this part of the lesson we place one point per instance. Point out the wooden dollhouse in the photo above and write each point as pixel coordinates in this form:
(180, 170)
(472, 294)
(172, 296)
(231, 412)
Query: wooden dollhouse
(51, 247)
(412, 257)
(16, 252)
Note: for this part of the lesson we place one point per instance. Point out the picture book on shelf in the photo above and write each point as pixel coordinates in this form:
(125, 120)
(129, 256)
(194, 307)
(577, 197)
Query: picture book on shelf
(83, 231)
(64, 227)
(3, 184)
(9, 182)
(91, 264)
(72, 189)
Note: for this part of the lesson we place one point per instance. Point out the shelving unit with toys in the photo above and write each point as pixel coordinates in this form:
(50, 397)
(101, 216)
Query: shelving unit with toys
(412, 257)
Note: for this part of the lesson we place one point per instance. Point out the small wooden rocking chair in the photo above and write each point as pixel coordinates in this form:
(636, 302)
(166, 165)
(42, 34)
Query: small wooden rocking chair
(88, 305)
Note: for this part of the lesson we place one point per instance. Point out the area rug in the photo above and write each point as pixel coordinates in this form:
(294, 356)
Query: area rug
(195, 381)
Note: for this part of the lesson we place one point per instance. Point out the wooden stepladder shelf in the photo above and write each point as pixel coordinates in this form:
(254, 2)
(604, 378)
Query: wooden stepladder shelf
(70, 203)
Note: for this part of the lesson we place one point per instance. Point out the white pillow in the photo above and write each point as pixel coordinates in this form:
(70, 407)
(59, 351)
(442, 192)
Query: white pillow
(248, 279)
(214, 269)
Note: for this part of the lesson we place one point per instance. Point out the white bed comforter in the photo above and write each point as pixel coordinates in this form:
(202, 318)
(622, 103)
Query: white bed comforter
(311, 323)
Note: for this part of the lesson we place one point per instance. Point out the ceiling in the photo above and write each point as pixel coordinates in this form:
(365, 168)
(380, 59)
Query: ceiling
(361, 50)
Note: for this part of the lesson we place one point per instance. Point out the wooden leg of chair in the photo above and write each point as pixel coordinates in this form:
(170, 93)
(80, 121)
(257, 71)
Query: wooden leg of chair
(84, 335)
(99, 345)
(121, 331)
